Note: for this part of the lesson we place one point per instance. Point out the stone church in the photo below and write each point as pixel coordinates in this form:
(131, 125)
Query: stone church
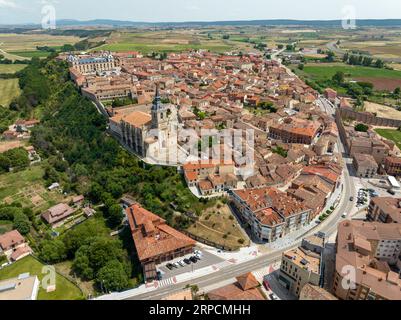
(151, 136)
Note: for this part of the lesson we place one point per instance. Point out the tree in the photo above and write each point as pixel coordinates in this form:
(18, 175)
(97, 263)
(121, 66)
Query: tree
(339, 77)
(379, 63)
(113, 277)
(115, 215)
(330, 56)
(301, 66)
(52, 251)
(22, 224)
(361, 127)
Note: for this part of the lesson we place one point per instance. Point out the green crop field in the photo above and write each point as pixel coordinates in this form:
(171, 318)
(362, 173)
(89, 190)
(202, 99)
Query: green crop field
(9, 89)
(391, 134)
(327, 71)
(11, 68)
(65, 289)
(31, 54)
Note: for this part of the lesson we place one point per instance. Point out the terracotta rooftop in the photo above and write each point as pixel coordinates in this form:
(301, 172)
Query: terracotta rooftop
(244, 289)
(152, 236)
(10, 239)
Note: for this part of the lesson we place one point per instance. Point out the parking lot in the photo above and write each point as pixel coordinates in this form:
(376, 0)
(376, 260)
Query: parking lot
(207, 259)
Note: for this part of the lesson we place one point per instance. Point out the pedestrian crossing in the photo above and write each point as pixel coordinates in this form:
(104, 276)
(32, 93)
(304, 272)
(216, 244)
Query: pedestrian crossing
(166, 282)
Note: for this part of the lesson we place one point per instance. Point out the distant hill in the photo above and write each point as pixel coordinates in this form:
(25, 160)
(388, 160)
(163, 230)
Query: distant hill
(314, 23)
(282, 22)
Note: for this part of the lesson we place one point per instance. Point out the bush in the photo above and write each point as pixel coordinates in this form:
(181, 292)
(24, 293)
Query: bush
(22, 224)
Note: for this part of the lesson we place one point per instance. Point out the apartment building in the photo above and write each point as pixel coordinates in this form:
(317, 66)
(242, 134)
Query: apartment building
(385, 210)
(366, 254)
(365, 165)
(302, 265)
(295, 131)
(270, 213)
(392, 166)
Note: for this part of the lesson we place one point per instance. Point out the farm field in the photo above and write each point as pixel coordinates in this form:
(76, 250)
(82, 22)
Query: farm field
(391, 134)
(9, 89)
(27, 188)
(386, 48)
(65, 289)
(22, 46)
(382, 79)
(11, 68)
(217, 224)
(30, 54)
(163, 42)
(382, 111)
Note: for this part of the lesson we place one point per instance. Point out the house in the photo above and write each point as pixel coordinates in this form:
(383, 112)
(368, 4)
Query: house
(365, 165)
(14, 246)
(245, 288)
(330, 94)
(77, 201)
(56, 216)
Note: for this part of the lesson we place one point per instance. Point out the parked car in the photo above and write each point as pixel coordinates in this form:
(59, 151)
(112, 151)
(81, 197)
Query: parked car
(176, 264)
(181, 263)
(187, 261)
(170, 266)
(344, 215)
(391, 192)
(193, 259)
(272, 296)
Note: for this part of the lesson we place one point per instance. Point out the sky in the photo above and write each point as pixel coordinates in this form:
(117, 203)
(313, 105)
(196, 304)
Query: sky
(29, 11)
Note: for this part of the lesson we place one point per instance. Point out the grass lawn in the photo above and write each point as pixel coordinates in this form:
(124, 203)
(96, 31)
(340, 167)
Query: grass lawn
(65, 289)
(31, 54)
(11, 68)
(9, 89)
(216, 223)
(391, 134)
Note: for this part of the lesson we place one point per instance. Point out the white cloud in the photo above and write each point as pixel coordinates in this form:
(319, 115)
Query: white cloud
(7, 4)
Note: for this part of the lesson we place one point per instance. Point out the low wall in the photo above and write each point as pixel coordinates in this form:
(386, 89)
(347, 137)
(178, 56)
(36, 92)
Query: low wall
(368, 118)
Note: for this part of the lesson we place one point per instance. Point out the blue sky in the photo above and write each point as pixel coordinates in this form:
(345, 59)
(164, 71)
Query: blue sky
(21, 11)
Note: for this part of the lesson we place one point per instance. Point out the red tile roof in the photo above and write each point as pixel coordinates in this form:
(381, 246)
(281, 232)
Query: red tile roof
(152, 236)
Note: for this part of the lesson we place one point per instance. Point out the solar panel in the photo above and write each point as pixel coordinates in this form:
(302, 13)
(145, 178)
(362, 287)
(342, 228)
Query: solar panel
(9, 286)
(23, 276)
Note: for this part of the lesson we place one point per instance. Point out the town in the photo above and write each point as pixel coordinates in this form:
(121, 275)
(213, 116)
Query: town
(198, 173)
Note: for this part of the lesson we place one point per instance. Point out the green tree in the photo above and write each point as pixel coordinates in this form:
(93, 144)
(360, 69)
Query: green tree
(361, 127)
(52, 251)
(115, 215)
(113, 277)
(22, 224)
(339, 77)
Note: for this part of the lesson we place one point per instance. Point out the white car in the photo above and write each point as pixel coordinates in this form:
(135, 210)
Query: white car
(176, 264)
(344, 215)
(181, 263)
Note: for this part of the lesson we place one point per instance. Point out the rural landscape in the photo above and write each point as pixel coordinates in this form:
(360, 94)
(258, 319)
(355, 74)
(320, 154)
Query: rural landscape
(115, 182)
